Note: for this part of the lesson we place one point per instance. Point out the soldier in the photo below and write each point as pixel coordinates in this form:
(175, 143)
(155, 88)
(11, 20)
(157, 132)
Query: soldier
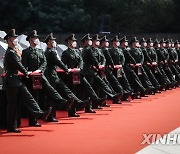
(34, 60)
(173, 60)
(119, 59)
(72, 59)
(148, 64)
(139, 58)
(158, 73)
(129, 66)
(177, 47)
(52, 61)
(15, 88)
(163, 57)
(109, 64)
(91, 69)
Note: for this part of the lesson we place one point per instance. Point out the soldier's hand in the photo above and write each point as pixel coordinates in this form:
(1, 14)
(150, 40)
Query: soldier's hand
(37, 71)
(69, 70)
(101, 66)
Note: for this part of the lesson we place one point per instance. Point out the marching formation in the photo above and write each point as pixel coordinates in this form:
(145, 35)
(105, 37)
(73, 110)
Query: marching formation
(84, 78)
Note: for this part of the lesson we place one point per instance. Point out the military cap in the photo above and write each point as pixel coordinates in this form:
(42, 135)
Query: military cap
(134, 40)
(86, 37)
(172, 41)
(167, 41)
(149, 41)
(96, 37)
(11, 33)
(104, 39)
(177, 42)
(156, 42)
(31, 35)
(71, 37)
(123, 39)
(116, 38)
(142, 40)
(49, 37)
(162, 41)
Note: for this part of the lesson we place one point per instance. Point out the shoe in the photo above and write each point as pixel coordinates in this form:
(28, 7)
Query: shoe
(90, 111)
(14, 130)
(35, 124)
(69, 104)
(82, 105)
(117, 102)
(116, 99)
(73, 115)
(158, 91)
(105, 105)
(52, 120)
(138, 97)
(46, 114)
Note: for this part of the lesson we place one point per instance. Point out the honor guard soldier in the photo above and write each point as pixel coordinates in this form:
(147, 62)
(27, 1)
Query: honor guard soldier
(16, 90)
(34, 60)
(148, 64)
(129, 66)
(177, 47)
(139, 58)
(109, 65)
(119, 60)
(160, 76)
(91, 70)
(163, 57)
(173, 60)
(54, 61)
(72, 59)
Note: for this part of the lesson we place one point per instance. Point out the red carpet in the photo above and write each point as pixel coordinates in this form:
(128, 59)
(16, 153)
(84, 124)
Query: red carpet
(116, 130)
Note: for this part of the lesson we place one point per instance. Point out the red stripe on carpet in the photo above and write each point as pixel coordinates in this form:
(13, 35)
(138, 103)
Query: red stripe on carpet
(116, 130)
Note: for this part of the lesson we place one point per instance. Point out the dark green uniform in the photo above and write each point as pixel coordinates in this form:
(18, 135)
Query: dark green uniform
(160, 74)
(91, 74)
(72, 59)
(16, 90)
(107, 61)
(34, 59)
(52, 61)
(173, 59)
(148, 68)
(139, 58)
(163, 57)
(119, 59)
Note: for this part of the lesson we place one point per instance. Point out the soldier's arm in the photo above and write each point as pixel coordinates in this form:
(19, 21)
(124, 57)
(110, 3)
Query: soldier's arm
(146, 56)
(24, 59)
(16, 63)
(55, 59)
(108, 58)
(80, 62)
(93, 59)
(129, 57)
(43, 62)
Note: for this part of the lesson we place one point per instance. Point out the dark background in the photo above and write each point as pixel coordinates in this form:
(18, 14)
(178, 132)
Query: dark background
(149, 18)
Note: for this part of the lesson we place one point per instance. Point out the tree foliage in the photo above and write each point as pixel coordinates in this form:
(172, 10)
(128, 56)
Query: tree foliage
(81, 16)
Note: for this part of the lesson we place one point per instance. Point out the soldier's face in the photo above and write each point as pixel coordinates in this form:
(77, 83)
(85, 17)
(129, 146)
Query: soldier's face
(14, 41)
(106, 44)
(74, 44)
(35, 40)
(145, 44)
(126, 44)
(53, 43)
(117, 43)
(172, 45)
(89, 42)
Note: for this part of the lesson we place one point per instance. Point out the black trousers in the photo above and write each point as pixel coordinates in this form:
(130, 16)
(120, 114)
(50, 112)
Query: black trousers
(14, 97)
(98, 83)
